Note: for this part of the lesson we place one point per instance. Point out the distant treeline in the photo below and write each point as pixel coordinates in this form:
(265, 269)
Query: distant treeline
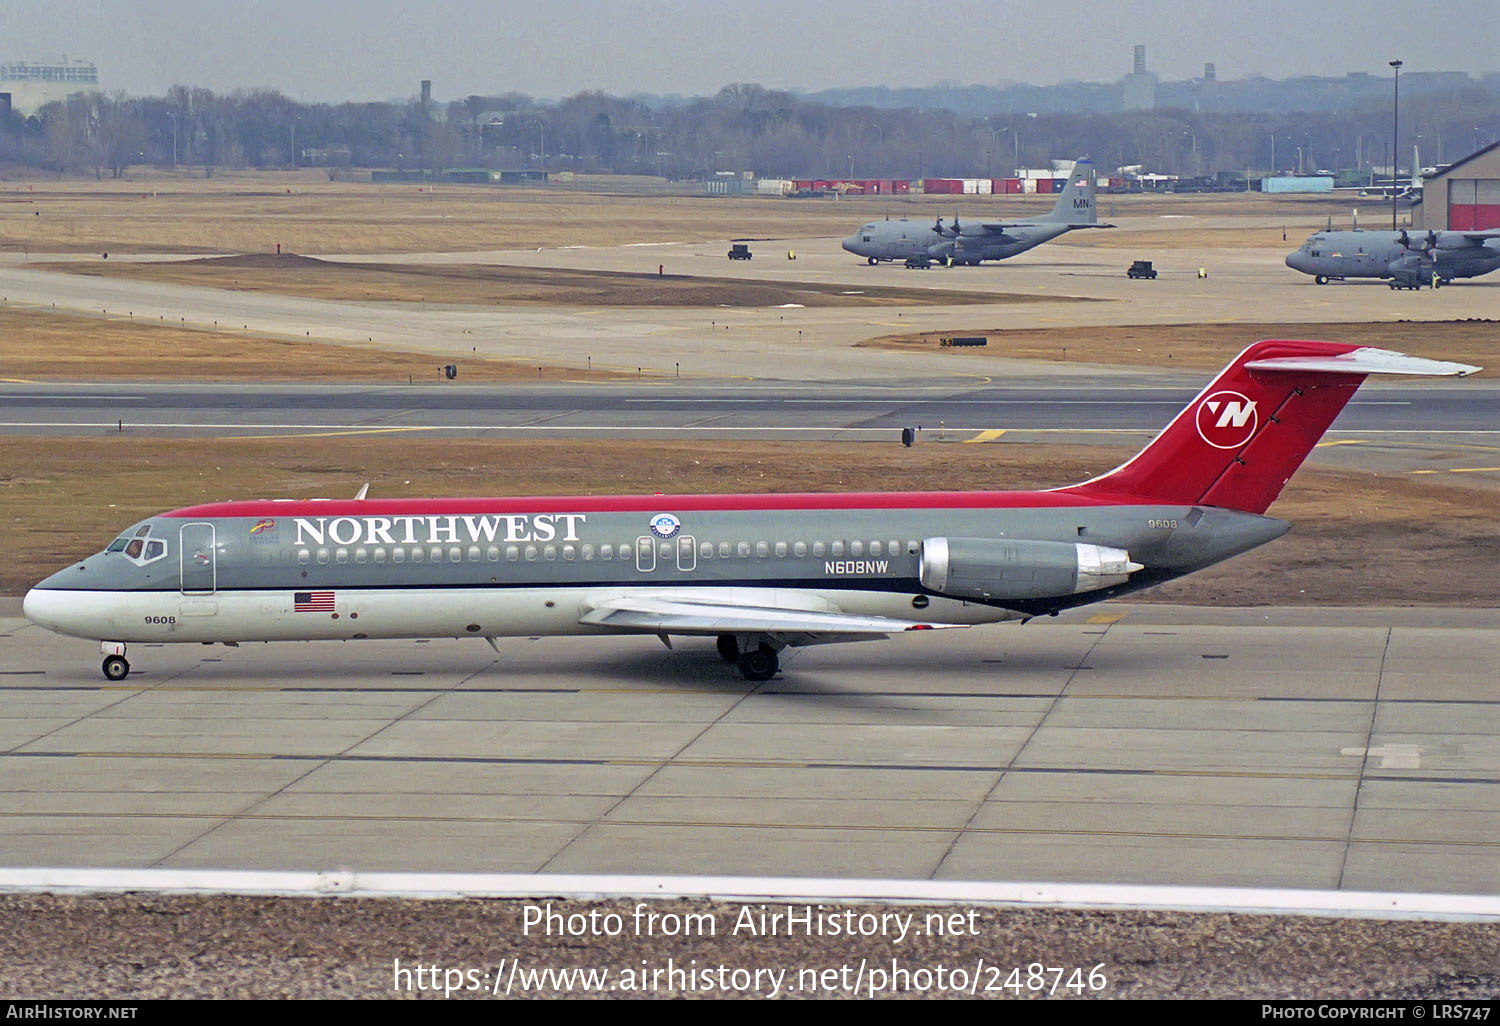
(742, 128)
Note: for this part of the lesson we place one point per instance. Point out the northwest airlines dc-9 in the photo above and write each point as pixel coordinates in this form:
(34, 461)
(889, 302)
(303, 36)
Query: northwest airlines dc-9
(756, 572)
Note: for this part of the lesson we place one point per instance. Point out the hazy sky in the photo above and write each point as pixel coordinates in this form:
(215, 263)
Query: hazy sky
(378, 49)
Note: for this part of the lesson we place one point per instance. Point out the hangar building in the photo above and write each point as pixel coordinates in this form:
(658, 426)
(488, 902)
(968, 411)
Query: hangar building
(1464, 196)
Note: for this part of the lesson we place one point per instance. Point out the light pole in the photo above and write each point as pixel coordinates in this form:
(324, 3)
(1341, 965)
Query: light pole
(1395, 133)
(174, 139)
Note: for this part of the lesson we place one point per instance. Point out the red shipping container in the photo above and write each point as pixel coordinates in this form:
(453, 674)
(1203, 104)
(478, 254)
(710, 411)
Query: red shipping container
(1012, 185)
(901, 186)
(1044, 185)
(803, 185)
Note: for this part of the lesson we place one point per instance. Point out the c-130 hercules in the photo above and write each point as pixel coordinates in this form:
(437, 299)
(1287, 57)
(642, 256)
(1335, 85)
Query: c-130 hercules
(962, 243)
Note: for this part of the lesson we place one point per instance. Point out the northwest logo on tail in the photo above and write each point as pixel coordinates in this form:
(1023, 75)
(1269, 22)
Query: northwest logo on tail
(1227, 420)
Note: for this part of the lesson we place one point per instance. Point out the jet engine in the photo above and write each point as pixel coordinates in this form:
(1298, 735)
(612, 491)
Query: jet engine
(997, 569)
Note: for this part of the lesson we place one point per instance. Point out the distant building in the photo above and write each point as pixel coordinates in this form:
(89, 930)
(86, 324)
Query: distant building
(33, 84)
(1139, 87)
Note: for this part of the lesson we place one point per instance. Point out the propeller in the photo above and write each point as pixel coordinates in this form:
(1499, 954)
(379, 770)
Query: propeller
(1404, 239)
(957, 229)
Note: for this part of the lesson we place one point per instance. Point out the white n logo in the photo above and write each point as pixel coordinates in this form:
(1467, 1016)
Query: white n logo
(1235, 413)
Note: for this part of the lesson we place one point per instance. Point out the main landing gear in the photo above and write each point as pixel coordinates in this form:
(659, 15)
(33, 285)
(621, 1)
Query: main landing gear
(115, 666)
(757, 664)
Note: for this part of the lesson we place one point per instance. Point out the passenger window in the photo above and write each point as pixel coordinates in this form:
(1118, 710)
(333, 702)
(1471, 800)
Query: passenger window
(838, 548)
(606, 552)
(856, 548)
(800, 549)
(492, 553)
(512, 553)
(743, 550)
(379, 554)
(417, 554)
(588, 553)
(473, 553)
(322, 557)
(455, 554)
(398, 555)
(531, 553)
(549, 553)
(781, 550)
(818, 549)
(361, 554)
(724, 550)
(706, 550)
(341, 555)
(304, 557)
(762, 550)
(874, 548)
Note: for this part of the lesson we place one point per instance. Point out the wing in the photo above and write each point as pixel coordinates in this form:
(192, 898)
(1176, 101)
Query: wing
(1000, 227)
(658, 615)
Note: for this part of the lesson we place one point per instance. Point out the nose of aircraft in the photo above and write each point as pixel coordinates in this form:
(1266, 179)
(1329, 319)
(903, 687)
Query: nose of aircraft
(1297, 261)
(852, 243)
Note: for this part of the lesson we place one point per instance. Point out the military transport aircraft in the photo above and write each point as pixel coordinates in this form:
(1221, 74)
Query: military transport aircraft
(968, 244)
(757, 572)
(1409, 261)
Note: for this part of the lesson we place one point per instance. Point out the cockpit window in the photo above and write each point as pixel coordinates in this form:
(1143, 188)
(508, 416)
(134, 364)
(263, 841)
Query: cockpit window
(138, 546)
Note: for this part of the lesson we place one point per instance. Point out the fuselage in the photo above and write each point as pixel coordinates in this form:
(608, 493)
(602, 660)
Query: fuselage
(1381, 254)
(904, 238)
(333, 569)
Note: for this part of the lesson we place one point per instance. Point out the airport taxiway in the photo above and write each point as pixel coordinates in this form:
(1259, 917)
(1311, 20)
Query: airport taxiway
(1132, 743)
(788, 343)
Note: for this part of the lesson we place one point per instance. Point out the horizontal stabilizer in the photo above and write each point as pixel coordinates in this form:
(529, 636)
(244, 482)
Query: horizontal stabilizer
(1365, 361)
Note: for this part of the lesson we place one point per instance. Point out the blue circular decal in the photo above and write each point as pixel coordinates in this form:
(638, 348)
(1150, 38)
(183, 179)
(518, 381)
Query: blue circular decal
(665, 525)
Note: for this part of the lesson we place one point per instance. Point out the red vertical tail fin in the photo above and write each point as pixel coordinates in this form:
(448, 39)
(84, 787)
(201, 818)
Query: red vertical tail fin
(1237, 444)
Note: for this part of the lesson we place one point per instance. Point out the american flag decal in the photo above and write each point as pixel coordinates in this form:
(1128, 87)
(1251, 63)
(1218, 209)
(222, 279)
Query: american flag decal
(312, 602)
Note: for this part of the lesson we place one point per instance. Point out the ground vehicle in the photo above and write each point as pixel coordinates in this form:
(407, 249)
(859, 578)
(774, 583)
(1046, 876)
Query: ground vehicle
(918, 263)
(739, 251)
(1141, 269)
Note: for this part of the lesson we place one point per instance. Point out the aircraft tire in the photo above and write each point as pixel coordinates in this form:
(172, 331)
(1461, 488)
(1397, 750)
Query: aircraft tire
(116, 668)
(759, 664)
(872, 261)
(729, 647)
(1321, 279)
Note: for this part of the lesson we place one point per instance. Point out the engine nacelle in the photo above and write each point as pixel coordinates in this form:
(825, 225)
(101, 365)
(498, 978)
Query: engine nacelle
(996, 569)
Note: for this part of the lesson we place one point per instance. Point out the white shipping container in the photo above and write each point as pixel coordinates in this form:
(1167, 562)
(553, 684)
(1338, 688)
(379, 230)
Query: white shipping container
(986, 186)
(1028, 185)
(971, 186)
(773, 187)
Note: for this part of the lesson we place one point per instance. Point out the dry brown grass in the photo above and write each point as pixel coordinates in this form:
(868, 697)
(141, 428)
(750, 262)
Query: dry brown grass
(1209, 347)
(305, 213)
(59, 347)
(1359, 538)
(289, 274)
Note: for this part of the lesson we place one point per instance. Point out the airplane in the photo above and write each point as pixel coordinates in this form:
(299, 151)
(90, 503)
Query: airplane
(1404, 260)
(980, 240)
(758, 573)
(1394, 189)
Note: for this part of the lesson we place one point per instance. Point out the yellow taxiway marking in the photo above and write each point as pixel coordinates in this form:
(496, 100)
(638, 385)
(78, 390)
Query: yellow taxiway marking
(1460, 470)
(987, 436)
(1344, 441)
(1106, 618)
